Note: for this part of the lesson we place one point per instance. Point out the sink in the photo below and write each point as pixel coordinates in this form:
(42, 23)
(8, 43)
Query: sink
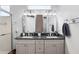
(45, 34)
(51, 37)
(27, 37)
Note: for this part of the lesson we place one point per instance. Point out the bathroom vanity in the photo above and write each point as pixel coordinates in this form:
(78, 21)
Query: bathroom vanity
(39, 37)
(39, 41)
(40, 45)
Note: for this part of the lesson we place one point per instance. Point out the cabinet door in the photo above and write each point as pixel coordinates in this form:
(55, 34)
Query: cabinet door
(25, 46)
(54, 46)
(20, 48)
(60, 46)
(30, 46)
(39, 46)
(50, 47)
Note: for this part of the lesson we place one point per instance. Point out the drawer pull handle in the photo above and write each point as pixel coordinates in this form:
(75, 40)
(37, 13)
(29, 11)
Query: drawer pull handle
(39, 48)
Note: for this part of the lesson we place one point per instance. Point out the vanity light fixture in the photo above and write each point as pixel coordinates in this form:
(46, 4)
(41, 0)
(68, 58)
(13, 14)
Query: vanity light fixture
(54, 13)
(24, 14)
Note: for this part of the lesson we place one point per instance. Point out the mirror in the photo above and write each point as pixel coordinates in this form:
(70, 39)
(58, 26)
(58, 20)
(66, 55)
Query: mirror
(50, 23)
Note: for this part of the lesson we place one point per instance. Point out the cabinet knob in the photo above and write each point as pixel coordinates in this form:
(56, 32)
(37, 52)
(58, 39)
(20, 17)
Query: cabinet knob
(25, 45)
(54, 45)
(39, 48)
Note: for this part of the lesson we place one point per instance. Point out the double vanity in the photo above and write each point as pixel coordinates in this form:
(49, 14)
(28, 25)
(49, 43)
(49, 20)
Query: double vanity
(40, 45)
(40, 42)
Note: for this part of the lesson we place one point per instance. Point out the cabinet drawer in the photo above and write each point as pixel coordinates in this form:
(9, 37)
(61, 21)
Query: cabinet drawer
(20, 49)
(54, 46)
(39, 46)
(25, 46)
(30, 49)
(50, 47)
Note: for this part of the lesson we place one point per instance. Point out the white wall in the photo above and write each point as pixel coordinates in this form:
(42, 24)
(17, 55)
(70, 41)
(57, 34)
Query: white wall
(70, 12)
(72, 43)
(17, 12)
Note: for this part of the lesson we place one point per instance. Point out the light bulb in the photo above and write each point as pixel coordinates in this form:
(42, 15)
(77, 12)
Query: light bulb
(54, 13)
(24, 14)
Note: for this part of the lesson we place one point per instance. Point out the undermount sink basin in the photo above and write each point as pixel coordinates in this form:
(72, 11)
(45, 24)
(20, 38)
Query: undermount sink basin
(27, 37)
(51, 37)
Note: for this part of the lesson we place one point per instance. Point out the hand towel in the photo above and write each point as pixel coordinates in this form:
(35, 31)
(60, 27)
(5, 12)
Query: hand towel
(66, 29)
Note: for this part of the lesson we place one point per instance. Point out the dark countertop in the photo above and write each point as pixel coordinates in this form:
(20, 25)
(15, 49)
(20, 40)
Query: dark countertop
(40, 38)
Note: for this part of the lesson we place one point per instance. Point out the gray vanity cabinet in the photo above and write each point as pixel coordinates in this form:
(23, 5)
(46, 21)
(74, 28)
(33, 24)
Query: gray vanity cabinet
(60, 47)
(20, 48)
(25, 46)
(39, 46)
(30, 46)
(54, 46)
(50, 47)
